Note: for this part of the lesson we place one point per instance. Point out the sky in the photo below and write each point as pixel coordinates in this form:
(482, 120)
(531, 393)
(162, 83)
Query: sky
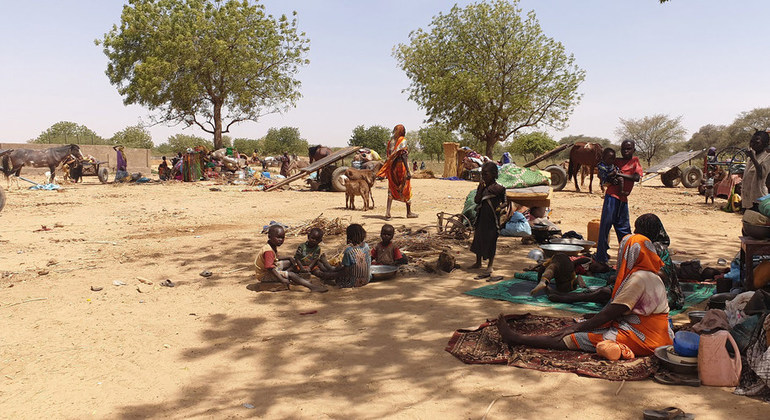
(704, 60)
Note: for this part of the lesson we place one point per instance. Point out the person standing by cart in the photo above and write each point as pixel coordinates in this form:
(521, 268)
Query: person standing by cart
(122, 168)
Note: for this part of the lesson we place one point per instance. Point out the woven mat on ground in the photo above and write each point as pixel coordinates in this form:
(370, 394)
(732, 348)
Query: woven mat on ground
(517, 290)
(484, 346)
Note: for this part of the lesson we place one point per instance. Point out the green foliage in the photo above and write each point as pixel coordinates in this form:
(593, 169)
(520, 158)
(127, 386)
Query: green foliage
(709, 135)
(532, 144)
(205, 62)
(375, 137)
(284, 139)
(652, 135)
(181, 142)
(490, 71)
(66, 132)
(431, 140)
(746, 124)
(247, 146)
(133, 136)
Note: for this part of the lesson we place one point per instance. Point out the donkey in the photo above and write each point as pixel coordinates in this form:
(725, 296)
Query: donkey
(14, 161)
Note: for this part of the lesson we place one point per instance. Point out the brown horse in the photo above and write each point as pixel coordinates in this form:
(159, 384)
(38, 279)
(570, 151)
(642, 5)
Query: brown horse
(318, 152)
(588, 154)
(14, 161)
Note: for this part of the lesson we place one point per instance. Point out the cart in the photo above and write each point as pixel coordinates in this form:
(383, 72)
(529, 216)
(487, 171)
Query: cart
(95, 169)
(558, 174)
(670, 173)
(324, 166)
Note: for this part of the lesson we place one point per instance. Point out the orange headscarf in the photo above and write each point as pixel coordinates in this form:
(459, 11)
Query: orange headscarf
(636, 253)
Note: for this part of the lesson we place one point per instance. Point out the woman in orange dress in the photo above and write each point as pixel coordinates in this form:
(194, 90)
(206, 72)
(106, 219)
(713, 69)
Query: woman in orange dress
(637, 315)
(396, 169)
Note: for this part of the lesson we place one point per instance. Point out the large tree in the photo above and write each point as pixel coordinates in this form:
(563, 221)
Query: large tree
(746, 124)
(133, 136)
(67, 132)
(532, 144)
(284, 139)
(488, 70)
(652, 134)
(375, 137)
(431, 140)
(206, 63)
(709, 135)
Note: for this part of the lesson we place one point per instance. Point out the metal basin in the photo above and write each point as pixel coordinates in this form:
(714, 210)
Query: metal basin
(662, 354)
(756, 231)
(572, 241)
(552, 249)
(383, 272)
(696, 316)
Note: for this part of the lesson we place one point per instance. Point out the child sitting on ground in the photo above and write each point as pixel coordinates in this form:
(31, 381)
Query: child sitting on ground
(608, 171)
(270, 268)
(561, 269)
(355, 269)
(386, 252)
(308, 256)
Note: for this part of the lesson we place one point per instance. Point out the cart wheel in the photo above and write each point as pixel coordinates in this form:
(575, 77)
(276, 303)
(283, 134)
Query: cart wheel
(692, 176)
(103, 175)
(558, 177)
(672, 178)
(337, 182)
(2, 199)
(738, 162)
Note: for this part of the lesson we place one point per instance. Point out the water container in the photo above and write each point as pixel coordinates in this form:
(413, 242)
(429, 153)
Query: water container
(715, 366)
(593, 230)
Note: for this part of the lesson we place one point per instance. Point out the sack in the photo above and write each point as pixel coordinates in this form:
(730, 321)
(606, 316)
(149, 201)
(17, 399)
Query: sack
(516, 226)
(689, 270)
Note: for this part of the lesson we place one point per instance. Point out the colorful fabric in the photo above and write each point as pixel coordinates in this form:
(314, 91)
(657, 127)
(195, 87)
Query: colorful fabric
(122, 163)
(386, 254)
(637, 286)
(605, 171)
(192, 169)
(360, 259)
(483, 345)
(265, 260)
(627, 167)
(399, 187)
(512, 176)
(517, 290)
(614, 214)
(305, 254)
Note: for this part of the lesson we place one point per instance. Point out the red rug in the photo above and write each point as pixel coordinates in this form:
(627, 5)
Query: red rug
(484, 346)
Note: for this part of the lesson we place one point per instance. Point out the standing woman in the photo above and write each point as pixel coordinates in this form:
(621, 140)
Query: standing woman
(489, 197)
(122, 169)
(755, 176)
(396, 169)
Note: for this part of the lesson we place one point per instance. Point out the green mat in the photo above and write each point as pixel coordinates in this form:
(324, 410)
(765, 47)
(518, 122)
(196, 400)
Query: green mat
(517, 290)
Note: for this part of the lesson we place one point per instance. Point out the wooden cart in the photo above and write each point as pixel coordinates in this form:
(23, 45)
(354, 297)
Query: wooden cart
(320, 165)
(95, 169)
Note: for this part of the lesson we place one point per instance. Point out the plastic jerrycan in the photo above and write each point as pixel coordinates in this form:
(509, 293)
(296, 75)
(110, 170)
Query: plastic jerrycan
(593, 230)
(715, 366)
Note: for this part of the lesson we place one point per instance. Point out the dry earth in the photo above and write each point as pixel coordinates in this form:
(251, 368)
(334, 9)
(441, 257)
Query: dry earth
(213, 348)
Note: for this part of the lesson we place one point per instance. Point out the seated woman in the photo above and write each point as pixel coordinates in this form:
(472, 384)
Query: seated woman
(651, 227)
(637, 315)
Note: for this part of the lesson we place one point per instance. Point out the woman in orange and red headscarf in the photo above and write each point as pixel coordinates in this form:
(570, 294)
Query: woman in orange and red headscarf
(396, 169)
(637, 315)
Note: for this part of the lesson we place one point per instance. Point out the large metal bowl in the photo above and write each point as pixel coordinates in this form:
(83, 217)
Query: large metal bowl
(552, 249)
(756, 231)
(662, 354)
(383, 272)
(572, 241)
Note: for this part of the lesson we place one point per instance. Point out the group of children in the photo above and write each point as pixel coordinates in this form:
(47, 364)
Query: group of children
(352, 269)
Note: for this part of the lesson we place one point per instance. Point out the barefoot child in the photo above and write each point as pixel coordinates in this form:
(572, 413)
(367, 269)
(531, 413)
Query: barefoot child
(309, 257)
(270, 268)
(356, 267)
(489, 197)
(386, 252)
(561, 270)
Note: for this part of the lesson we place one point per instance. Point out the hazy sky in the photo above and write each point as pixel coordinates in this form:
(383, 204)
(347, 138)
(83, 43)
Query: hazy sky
(706, 60)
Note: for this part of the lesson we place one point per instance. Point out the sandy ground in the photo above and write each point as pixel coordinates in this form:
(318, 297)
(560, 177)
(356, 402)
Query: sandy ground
(213, 348)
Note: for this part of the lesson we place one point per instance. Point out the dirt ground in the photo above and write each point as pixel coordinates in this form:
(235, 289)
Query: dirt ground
(214, 348)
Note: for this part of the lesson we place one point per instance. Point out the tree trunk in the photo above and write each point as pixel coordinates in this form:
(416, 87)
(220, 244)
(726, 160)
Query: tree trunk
(217, 126)
(490, 147)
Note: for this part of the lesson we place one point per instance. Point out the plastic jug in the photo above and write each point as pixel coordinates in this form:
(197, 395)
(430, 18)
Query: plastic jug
(593, 230)
(715, 367)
